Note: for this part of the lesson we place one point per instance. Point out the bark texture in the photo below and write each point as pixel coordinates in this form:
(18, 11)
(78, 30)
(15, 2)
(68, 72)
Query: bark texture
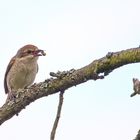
(138, 136)
(61, 81)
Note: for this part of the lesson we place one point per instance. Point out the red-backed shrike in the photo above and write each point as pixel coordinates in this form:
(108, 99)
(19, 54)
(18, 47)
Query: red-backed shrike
(22, 69)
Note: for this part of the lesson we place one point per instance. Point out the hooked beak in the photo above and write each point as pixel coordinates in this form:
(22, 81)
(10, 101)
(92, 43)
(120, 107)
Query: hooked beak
(39, 53)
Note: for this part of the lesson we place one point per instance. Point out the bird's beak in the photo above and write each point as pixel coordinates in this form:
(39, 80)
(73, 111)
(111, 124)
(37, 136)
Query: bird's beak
(39, 53)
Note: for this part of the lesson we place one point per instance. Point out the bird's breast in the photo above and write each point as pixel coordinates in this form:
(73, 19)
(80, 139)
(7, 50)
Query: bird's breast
(22, 74)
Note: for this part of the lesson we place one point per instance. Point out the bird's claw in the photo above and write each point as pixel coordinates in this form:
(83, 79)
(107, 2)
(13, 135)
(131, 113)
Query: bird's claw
(11, 96)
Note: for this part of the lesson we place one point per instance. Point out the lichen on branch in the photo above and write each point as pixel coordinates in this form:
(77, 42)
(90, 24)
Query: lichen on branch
(61, 81)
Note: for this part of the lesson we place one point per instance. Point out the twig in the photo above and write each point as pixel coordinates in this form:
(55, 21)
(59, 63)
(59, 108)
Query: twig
(136, 87)
(53, 132)
(138, 136)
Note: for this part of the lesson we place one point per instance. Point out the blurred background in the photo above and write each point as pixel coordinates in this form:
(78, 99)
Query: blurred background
(74, 33)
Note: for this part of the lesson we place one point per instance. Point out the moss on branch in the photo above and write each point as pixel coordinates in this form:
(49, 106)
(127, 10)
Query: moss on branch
(64, 80)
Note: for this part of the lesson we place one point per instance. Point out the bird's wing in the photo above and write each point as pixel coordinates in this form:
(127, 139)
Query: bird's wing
(7, 70)
(37, 68)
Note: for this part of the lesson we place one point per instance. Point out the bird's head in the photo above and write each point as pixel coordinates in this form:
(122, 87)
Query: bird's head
(29, 51)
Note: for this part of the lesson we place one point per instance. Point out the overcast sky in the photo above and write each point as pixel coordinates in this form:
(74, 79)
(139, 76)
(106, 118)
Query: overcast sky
(74, 33)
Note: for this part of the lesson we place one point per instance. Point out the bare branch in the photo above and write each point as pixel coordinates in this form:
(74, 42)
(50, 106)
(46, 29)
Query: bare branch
(138, 136)
(57, 116)
(98, 69)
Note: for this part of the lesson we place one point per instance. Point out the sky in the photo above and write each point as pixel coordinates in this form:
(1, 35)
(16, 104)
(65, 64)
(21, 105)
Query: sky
(74, 33)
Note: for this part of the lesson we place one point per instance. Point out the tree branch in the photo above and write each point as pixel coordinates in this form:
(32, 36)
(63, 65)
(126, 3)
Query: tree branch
(138, 136)
(64, 80)
(57, 116)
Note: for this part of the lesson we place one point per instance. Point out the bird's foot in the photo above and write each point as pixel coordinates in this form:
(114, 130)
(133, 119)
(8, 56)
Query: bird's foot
(11, 96)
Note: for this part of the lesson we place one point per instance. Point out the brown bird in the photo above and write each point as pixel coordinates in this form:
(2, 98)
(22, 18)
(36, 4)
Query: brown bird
(22, 69)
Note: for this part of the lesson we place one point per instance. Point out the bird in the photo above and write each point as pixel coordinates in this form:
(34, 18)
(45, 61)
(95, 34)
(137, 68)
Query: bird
(22, 69)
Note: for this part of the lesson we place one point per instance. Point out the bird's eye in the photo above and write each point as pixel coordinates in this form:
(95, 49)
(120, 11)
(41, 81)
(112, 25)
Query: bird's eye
(29, 51)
